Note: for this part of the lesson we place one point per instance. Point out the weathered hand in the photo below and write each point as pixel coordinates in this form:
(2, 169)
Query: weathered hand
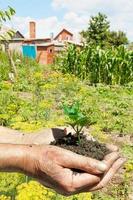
(54, 168)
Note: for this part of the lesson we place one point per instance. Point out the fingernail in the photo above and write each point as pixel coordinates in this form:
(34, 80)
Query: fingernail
(102, 166)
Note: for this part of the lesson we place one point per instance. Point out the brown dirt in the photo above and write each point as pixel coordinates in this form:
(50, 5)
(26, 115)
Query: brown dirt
(88, 148)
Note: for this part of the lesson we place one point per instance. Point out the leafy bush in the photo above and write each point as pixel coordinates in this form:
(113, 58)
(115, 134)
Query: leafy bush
(4, 66)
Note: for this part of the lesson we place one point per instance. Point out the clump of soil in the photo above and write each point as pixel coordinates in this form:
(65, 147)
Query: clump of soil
(88, 148)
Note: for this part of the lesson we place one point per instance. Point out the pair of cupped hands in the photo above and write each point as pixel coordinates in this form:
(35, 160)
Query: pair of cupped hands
(55, 167)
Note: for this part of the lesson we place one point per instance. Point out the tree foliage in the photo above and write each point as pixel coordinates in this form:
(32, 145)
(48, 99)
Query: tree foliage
(117, 38)
(98, 33)
(4, 16)
(5, 36)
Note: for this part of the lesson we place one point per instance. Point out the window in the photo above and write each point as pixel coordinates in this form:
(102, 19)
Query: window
(67, 38)
(60, 38)
(50, 50)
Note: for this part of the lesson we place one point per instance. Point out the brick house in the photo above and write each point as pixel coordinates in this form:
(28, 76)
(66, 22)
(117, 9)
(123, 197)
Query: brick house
(64, 35)
(47, 48)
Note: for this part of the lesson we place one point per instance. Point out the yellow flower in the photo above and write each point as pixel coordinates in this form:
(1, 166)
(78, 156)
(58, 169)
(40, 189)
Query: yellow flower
(48, 86)
(38, 75)
(3, 197)
(32, 191)
(46, 104)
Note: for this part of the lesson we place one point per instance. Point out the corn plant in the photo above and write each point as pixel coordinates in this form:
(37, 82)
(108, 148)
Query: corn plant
(108, 66)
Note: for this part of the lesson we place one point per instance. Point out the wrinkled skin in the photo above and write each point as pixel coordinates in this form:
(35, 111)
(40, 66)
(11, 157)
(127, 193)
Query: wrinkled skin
(53, 166)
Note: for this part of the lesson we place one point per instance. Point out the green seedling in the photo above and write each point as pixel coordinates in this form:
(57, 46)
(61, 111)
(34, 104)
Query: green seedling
(76, 118)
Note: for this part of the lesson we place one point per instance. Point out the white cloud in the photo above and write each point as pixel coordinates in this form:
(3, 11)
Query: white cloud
(119, 12)
(70, 4)
(46, 26)
(89, 5)
(21, 24)
(43, 26)
(77, 14)
(76, 21)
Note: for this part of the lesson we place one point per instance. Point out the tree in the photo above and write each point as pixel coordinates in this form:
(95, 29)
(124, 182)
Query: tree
(98, 29)
(117, 38)
(98, 33)
(4, 16)
(6, 36)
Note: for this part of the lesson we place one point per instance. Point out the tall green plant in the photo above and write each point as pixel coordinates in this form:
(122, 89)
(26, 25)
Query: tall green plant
(7, 35)
(107, 66)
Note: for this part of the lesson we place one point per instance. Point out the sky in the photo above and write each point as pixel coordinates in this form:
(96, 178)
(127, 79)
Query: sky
(53, 15)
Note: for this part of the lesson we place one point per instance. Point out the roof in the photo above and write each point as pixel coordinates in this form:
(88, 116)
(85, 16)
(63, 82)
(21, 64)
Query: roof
(53, 43)
(17, 34)
(59, 44)
(73, 42)
(37, 39)
(20, 34)
(63, 31)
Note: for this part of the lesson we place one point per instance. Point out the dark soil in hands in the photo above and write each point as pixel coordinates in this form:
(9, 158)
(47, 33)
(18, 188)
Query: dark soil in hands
(88, 148)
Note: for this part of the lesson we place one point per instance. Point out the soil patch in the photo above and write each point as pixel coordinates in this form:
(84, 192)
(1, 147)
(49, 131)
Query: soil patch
(88, 148)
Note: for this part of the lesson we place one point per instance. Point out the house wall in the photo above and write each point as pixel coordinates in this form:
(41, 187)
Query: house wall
(16, 46)
(37, 41)
(42, 55)
(45, 55)
(64, 36)
(50, 54)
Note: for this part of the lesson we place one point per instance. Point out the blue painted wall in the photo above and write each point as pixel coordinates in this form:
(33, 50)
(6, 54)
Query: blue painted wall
(29, 51)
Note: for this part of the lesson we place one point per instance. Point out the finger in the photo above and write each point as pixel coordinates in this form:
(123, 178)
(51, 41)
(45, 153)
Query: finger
(68, 182)
(111, 158)
(82, 180)
(108, 176)
(73, 183)
(112, 147)
(75, 161)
